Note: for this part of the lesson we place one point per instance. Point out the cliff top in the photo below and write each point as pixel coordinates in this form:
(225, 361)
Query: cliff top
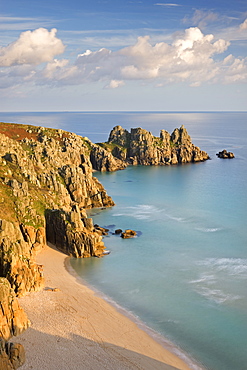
(19, 132)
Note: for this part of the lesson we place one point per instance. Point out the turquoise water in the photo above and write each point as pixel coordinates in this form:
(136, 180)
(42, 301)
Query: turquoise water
(185, 274)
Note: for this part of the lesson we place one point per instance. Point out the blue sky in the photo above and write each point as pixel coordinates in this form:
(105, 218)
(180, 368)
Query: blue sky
(123, 55)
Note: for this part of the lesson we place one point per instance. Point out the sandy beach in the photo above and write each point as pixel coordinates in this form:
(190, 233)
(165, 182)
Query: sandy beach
(72, 328)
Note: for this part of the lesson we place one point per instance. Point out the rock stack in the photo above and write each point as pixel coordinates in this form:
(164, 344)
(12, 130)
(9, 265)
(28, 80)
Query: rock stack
(140, 147)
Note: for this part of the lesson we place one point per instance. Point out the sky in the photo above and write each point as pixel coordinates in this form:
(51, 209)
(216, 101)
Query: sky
(115, 55)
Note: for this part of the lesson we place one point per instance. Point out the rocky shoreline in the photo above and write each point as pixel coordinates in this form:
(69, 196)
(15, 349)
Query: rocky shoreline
(46, 185)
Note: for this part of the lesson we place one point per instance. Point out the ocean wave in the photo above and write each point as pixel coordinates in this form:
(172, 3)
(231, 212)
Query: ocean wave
(231, 266)
(179, 219)
(147, 211)
(217, 295)
(208, 229)
(141, 211)
(204, 278)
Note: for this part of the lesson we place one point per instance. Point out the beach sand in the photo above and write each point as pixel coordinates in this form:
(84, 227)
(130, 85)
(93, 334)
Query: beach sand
(73, 328)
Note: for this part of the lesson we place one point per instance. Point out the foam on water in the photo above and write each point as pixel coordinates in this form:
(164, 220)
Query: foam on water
(232, 266)
(146, 211)
(217, 295)
(208, 229)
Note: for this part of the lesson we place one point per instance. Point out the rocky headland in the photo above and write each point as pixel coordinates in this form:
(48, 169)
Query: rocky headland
(46, 186)
(140, 147)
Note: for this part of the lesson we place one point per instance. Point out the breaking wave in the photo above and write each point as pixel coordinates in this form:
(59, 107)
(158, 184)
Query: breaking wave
(216, 295)
(146, 211)
(231, 266)
(208, 229)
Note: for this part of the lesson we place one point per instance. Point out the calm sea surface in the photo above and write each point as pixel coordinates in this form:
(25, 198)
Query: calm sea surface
(185, 275)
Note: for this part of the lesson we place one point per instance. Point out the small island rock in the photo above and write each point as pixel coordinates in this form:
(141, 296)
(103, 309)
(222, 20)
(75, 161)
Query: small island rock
(225, 154)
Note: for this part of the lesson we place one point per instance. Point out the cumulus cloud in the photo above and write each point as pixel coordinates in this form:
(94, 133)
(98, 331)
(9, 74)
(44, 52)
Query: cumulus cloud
(114, 84)
(188, 58)
(32, 47)
(192, 57)
(243, 26)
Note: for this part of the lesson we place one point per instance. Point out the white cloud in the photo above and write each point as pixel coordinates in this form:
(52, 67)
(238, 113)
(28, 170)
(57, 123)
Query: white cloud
(114, 84)
(32, 47)
(236, 70)
(201, 18)
(167, 4)
(191, 58)
(24, 23)
(243, 26)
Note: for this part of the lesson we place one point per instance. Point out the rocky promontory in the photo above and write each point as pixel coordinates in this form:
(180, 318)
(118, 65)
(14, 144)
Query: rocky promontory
(140, 147)
(46, 185)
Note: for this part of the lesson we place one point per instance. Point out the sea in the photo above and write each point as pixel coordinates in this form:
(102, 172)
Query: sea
(184, 276)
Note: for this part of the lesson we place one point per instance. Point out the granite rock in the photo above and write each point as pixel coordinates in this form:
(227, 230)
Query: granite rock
(140, 147)
(225, 154)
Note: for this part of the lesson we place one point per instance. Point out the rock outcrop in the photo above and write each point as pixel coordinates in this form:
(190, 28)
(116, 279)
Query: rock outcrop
(12, 355)
(46, 183)
(18, 247)
(13, 321)
(103, 160)
(225, 154)
(140, 147)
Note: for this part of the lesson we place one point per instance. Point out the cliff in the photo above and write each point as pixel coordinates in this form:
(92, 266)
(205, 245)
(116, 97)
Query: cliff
(140, 147)
(46, 185)
(13, 321)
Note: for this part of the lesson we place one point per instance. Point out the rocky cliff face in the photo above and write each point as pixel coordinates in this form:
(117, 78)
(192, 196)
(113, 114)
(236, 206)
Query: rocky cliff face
(140, 147)
(103, 159)
(46, 183)
(13, 321)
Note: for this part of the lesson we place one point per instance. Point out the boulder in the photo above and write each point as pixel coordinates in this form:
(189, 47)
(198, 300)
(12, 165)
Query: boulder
(128, 234)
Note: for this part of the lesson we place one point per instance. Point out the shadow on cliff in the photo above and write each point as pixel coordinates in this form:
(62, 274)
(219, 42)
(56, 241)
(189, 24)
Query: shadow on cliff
(53, 352)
